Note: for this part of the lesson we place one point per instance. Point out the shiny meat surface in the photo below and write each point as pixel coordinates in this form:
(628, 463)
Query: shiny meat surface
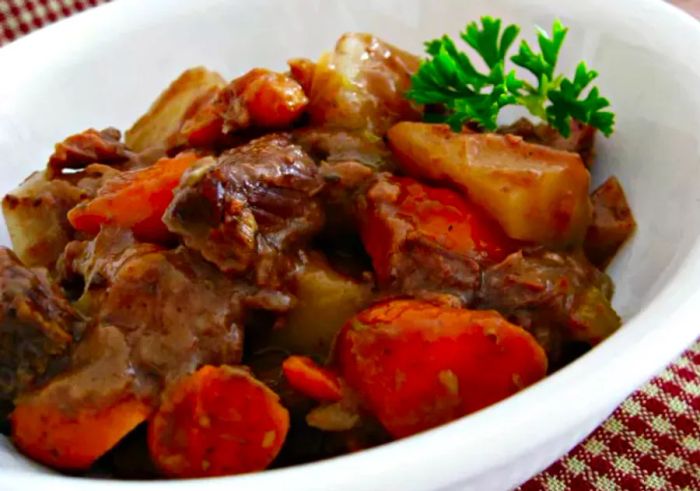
(37, 326)
(251, 209)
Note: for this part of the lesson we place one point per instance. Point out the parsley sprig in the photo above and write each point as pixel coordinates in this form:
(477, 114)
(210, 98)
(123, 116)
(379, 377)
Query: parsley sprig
(449, 78)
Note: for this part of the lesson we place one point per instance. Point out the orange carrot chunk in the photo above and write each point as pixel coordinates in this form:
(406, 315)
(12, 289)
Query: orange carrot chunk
(259, 98)
(316, 382)
(217, 421)
(72, 440)
(135, 200)
(416, 365)
(399, 207)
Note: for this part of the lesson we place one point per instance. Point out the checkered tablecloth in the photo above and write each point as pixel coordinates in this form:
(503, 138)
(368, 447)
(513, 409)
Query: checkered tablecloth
(651, 442)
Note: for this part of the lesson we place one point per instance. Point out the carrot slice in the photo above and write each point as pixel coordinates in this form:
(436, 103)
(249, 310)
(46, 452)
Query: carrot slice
(73, 440)
(260, 98)
(136, 200)
(82, 413)
(316, 382)
(416, 365)
(217, 421)
(398, 207)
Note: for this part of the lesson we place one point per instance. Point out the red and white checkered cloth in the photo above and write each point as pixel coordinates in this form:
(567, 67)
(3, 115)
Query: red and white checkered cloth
(19, 17)
(651, 442)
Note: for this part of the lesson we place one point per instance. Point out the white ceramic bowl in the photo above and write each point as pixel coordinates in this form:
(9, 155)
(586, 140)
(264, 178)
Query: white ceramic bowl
(105, 66)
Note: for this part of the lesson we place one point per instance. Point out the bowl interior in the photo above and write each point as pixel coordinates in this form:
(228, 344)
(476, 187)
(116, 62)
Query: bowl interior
(103, 68)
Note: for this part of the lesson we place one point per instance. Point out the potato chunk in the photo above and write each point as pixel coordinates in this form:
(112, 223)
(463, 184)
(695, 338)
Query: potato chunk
(536, 193)
(361, 85)
(326, 299)
(161, 124)
(35, 214)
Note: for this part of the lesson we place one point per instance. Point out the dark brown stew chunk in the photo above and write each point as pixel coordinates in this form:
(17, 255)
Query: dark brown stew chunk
(251, 208)
(37, 326)
(612, 225)
(89, 147)
(176, 310)
(560, 298)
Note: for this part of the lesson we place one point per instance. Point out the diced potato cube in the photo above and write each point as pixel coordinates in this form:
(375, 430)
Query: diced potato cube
(536, 193)
(361, 85)
(326, 300)
(35, 214)
(160, 126)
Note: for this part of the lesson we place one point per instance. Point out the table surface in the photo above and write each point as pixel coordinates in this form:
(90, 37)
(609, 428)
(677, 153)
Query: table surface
(651, 442)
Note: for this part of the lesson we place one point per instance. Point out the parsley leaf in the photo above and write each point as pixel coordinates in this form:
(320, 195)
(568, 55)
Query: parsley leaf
(449, 78)
(542, 66)
(567, 103)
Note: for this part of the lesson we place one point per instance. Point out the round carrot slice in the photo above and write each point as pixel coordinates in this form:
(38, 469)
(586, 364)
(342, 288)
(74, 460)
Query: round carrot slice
(417, 365)
(316, 382)
(217, 421)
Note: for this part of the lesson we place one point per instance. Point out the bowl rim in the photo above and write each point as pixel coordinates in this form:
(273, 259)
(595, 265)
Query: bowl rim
(634, 354)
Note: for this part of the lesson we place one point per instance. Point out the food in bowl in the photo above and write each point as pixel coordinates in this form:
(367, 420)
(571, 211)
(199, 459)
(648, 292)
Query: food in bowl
(297, 265)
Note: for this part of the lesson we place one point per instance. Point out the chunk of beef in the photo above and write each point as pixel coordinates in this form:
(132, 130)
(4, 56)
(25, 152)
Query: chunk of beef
(252, 209)
(343, 180)
(37, 326)
(560, 298)
(176, 310)
(89, 147)
(425, 240)
(581, 140)
(337, 145)
(347, 160)
(612, 224)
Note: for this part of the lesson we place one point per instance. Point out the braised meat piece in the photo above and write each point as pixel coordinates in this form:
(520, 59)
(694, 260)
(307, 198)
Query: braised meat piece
(89, 147)
(177, 311)
(343, 181)
(612, 225)
(347, 160)
(37, 326)
(581, 140)
(338, 145)
(424, 239)
(560, 298)
(251, 209)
